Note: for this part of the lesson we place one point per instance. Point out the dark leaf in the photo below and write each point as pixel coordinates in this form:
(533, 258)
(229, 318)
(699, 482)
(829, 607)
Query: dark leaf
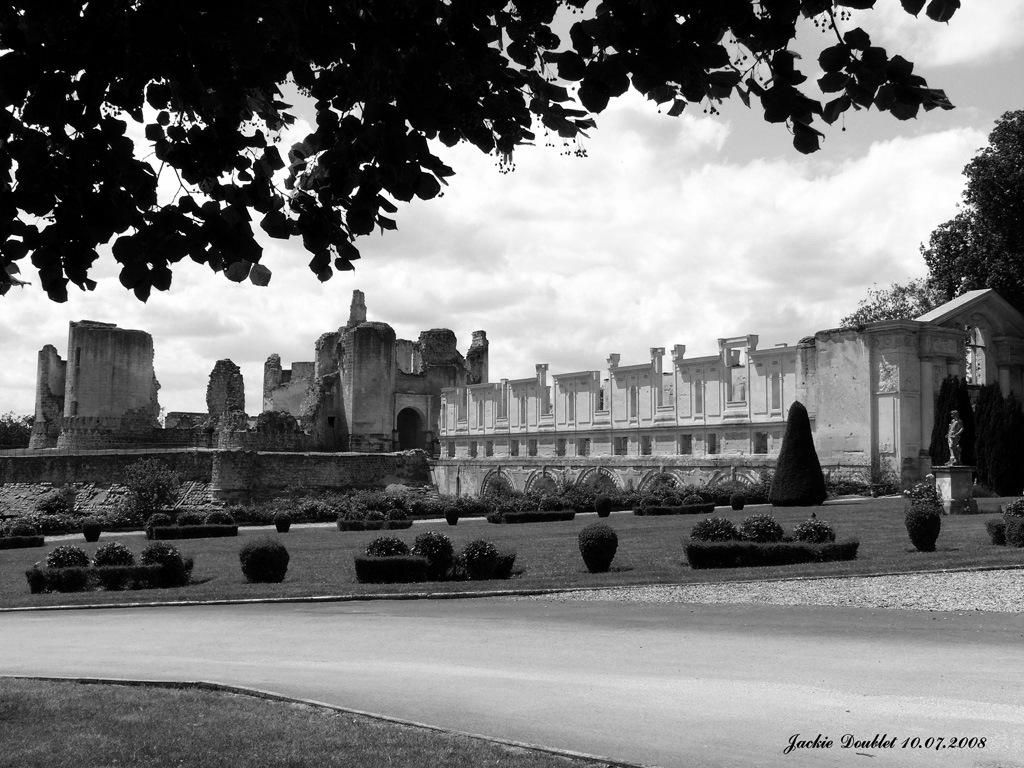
(835, 58)
(805, 139)
(259, 275)
(942, 10)
(857, 39)
(913, 6)
(237, 271)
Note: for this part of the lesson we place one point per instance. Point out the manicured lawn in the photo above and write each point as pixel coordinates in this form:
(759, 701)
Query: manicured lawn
(650, 552)
(46, 724)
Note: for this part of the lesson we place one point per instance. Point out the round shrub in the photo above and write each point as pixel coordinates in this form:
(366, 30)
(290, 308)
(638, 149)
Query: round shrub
(264, 561)
(923, 521)
(814, 531)
(219, 517)
(598, 543)
(387, 546)
(396, 514)
(113, 553)
(191, 517)
(282, 521)
(481, 558)
(317, 511)
(437, 548)
(23, 528)
(603, 506)
(923, 493)
(549, 503)
(714, 529)
(1014, 509)
(374, 520)
(761, 528)
(692, 498)
(67, 556)
(1013, 531)
(160, 519)
(175, 570)
(737, 501)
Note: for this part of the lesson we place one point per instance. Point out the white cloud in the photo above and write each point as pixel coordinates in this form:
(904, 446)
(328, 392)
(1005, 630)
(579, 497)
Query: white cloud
(977, 33)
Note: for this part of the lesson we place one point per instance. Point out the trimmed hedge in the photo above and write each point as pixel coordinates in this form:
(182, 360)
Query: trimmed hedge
(533, 516)
(396, 569)
(118, 577)
(438, 550)
(598, 543)
(21, 542)
(170, 532)
(996, 532)
(264, 561)
(366, 525)
(79, 579)
(745, 554)
(681, 509)
(923, 521)
(175, 571)
(1014, 531)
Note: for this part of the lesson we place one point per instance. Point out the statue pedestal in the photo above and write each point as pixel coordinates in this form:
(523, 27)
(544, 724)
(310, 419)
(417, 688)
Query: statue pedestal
(955, 487)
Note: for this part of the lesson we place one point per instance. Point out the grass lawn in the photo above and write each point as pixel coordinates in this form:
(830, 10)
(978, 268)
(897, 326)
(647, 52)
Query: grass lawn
(650, 552)
(46, 724)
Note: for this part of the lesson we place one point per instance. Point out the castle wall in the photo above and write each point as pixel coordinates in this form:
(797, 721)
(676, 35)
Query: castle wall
(51, 372)
(368, 385)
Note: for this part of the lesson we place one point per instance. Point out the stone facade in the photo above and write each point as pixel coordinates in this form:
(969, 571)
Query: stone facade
(869, 391)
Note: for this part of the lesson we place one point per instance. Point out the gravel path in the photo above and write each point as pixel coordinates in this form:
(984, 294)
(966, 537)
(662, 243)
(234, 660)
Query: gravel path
(963, 591)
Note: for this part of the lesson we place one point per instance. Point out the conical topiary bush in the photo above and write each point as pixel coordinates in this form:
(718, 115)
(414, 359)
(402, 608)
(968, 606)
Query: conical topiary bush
(798, 480)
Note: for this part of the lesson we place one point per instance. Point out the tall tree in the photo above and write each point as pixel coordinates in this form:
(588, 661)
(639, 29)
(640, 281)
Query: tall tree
(798, 480)
(983, 245)
(900, 301)
(15, 431)
(386, 78)
(988, 423)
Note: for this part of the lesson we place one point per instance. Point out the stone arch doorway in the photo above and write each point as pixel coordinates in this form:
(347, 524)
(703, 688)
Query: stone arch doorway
(410, 430)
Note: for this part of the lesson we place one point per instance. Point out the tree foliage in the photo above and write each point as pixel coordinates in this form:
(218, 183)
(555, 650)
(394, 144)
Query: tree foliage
(389, 81)
(900, 301)
(999, 441)
(983, 245)
(15, 431)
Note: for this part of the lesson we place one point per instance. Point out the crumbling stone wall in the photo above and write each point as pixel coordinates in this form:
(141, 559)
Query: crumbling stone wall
(476, 359)
(226, 390)
(51, 371)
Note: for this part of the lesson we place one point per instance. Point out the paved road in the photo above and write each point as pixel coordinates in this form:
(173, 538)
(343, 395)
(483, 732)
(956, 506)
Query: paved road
(663, 684)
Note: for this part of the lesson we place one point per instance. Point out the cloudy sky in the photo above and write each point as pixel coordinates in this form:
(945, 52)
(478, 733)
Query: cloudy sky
(671, 231)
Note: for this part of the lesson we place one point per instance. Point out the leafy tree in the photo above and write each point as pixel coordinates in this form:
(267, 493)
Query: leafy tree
(983, 245)
(988, 424)
(798, 480)
(953, 395)
(897, 302)
(385, 78)
(1006, 463)
(152, 486)
(15, 431)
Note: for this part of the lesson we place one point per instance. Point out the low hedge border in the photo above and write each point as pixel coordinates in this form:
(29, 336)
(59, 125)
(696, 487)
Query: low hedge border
(169, 532)
(360, 525)
(996, 532)
(682, 509)
(109, 577)
(533, 516)
(21, 542)
(394, 569)
(745, 554)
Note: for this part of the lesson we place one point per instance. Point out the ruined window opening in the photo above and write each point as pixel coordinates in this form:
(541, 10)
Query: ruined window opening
(570, 407)
(480, 413)
(738, 384)
(634, 402)
(698, 396)
(583, 446)
(712, 443)
(78, 356)
(600, 399)
(776, 392)
(472, 449)
(330, 421)
(560, 447)
(522, 411)
(760, 442)
(451, 449)
(621, 447)
(531, 447)
(975, 356)
(686, 444)
(645, 445)
(489, 448)
(74, 407)
(513, 448)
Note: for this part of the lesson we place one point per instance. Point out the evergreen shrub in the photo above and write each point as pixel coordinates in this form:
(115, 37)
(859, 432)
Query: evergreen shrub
(23, 528)
(219, 517)
(1014, 531)
(746, 554)
(21, 542)
(151, 484)
(53, 503)
(118, 577)
(264, 561)
(506, 562)
(174, 569)
(715, 529)
(69, 579)
(737, 501)
(481, 559)
(437, 549)
(387, 546)
(91, 529)
(603, 506)
(996, 532)
(532, 516)
(761, 528)
(598, 543)
(113, 553)
(814, 531)
(67, 556)
(798, 480)
(157, 520)
(174, 532)
(394, 569)
(191, 517)
(374, 520)
(282, 521)
(923, 521)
